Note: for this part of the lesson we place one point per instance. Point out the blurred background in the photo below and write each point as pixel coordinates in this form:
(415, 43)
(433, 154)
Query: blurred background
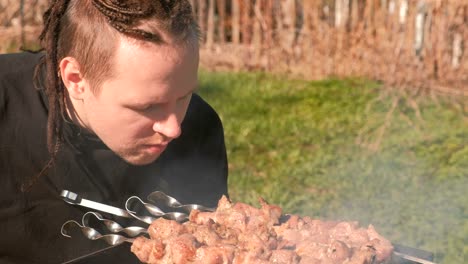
(336, 109)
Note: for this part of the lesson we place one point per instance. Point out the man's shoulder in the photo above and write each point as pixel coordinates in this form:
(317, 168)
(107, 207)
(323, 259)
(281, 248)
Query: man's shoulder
(201, 125)
(16, 78)
(200, 104)
(18, 62)
(200, 113)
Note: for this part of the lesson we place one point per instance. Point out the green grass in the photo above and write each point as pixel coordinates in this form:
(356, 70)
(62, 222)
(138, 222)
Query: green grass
(307, 146)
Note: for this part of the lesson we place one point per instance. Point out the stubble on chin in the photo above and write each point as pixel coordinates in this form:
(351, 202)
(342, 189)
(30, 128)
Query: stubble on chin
(137, 158)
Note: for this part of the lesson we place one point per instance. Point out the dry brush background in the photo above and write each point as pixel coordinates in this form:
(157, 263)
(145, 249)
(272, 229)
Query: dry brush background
(415, 44)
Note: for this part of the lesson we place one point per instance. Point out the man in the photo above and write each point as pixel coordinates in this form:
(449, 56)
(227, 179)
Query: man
(114, 115)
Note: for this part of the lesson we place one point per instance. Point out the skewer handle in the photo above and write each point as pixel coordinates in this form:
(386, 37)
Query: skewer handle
(73, 198)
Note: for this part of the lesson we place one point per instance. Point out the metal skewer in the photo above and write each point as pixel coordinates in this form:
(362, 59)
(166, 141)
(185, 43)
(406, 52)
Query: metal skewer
(412, 258)
(160, 197)
(93, 234)
(113, 226)
(134, 201)
(73, 198)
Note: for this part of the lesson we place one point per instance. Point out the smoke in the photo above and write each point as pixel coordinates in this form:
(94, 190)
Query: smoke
(408, 207)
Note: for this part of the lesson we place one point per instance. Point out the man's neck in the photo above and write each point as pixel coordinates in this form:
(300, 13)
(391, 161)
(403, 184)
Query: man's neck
(73, 108)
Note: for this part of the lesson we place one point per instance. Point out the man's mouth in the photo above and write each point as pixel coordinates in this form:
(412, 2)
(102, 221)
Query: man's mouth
(155, 148)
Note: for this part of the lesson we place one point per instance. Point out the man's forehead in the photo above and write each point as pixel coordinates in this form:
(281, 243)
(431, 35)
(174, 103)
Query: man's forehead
(154, 55)
(169, 42)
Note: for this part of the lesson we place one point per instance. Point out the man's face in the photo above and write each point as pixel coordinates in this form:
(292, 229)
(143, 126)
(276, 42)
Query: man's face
(139, 111)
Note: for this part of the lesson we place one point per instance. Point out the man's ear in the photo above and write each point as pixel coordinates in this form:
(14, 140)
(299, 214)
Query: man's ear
(72, 78)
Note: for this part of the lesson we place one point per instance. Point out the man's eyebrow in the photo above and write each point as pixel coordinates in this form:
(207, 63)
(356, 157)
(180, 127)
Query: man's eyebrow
(144, 103)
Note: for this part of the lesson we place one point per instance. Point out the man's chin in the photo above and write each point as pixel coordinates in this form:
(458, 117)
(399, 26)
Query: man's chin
(139, 160)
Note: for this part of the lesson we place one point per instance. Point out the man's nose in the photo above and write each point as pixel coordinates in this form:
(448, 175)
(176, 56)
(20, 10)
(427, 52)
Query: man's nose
(169, 127)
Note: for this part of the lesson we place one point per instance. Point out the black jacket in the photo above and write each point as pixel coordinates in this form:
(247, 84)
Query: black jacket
(193, 169)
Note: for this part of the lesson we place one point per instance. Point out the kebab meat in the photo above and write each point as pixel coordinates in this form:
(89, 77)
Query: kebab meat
(242, 234)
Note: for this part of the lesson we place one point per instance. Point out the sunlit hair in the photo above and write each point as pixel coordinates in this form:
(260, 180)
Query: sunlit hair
(89, 30)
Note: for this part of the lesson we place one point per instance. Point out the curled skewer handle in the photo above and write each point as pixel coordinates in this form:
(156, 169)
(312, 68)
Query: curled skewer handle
(93, 234)
(130, 203)
(160, 197)
(113, 226)
(153, 210)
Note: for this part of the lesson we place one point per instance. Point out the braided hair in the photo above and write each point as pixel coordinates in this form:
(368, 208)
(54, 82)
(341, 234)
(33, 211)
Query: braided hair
(88, 30)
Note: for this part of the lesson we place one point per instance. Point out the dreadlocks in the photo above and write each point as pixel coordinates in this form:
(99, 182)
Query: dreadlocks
(88, 30)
